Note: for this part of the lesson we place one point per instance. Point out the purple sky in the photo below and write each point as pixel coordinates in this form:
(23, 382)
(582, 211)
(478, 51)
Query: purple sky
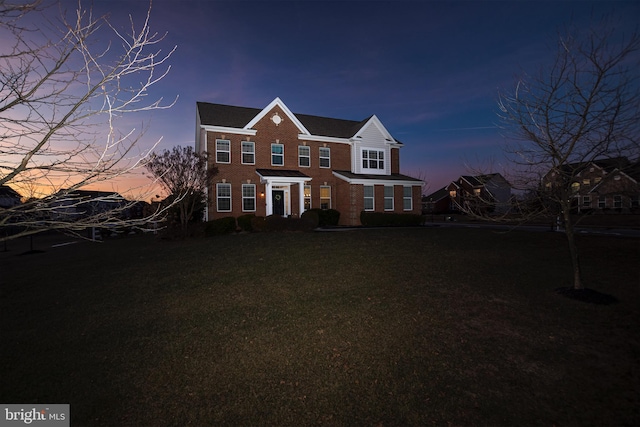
(430, 70)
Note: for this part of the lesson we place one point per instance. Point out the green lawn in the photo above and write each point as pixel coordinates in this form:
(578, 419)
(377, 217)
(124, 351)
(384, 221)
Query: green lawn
(370, 327)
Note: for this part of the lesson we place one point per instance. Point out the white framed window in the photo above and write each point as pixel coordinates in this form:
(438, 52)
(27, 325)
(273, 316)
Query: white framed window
(372, 159)
(388, 198)
(307, 197)
(617, 201)
(223, 151)
(407, 199)
(369, 198)
(325, 197)
(277, 154)
(248, 197)
(602, 202)
(586, 201)
(248, 153)
(223, 196)
(304, 156)
(325, 157)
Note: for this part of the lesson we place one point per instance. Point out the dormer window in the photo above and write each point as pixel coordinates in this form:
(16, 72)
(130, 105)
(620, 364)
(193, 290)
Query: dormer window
(372, 159)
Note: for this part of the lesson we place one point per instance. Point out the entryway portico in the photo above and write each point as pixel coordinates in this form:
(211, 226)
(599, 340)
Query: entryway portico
(278, 190)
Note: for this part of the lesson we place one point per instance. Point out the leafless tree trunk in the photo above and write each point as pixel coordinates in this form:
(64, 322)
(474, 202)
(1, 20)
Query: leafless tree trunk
(62, 92)
(583, 107)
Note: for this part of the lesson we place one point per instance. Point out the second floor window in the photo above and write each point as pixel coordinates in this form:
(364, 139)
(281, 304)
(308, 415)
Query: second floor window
(304, 156)
(277, 154)
(325, 157)
(248, 153)
(223, 151)
(372, 159)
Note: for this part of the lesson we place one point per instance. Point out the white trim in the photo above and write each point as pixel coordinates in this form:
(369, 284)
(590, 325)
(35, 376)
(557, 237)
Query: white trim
(223, 151)
(320, 138)
(405, 198)
(254, 198)
(373, 197)
(277, 102)
(375, 121)
(242, 153)
(392, 197)
(277, 154)
(224, 129)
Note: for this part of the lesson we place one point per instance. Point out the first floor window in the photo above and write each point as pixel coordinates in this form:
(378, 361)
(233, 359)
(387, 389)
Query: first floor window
(407, 199)
(304, 156)
(617, 201)
(223, 196)
(223, 151)
(307, 197)
(369, 200)
(248, 197)
(325, 157)
(602, 202)
(277, 154)
(248, 153)
(586, 201)
(388, 198)
(325, 197)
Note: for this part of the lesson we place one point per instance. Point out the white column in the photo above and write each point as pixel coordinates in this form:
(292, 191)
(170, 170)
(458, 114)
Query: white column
(301, 198)
(268, 197)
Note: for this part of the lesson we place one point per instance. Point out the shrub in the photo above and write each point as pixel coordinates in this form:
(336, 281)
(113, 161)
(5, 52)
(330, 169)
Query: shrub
(258, 223)
(326, 217)
(311, 217)
(380, 219)
(219, 226)
(244, 222)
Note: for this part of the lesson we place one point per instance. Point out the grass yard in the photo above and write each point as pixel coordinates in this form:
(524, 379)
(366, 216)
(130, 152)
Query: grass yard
(370, 327)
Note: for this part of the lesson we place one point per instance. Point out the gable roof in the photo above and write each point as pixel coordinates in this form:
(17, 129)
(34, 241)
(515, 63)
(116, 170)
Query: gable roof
(6, 191)
(241, 117)
(437, 195)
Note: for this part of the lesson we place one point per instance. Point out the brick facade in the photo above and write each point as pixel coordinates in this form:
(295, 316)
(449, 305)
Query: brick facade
(346, 197)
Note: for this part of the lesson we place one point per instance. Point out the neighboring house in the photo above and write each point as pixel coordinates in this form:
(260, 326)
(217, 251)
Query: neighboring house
(80, 204)
(437, 202)
(599, 185)
(9, 197)
(489, 193)
(272, 161)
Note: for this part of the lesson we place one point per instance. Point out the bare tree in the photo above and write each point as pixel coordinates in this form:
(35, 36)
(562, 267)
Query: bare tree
(184, 174)
(62, 92)
(581, 108)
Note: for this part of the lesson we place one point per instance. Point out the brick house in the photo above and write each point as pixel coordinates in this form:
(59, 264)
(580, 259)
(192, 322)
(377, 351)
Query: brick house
(599, 185)
(489, 193)
(272, 161)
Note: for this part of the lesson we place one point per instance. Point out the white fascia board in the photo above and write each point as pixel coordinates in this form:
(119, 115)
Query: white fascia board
(284, 108)
(224, 129)
(366, 181)
(319, 138)
(283, 179)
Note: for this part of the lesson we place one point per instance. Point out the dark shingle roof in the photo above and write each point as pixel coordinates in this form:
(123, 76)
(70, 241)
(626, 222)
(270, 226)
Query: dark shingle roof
(7, 191)
(238, 117)
(281, 173)
(392, 177)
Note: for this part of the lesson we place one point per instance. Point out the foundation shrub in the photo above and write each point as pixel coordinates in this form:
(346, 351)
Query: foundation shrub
(220, 226)
(311, 217)
(327, 217)
(244, 222)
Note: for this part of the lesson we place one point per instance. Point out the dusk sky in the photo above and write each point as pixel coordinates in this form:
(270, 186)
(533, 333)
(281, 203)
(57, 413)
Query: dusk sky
(430, 70)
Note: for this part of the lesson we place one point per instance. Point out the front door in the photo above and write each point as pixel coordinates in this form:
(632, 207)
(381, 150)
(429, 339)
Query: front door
(278, 202)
